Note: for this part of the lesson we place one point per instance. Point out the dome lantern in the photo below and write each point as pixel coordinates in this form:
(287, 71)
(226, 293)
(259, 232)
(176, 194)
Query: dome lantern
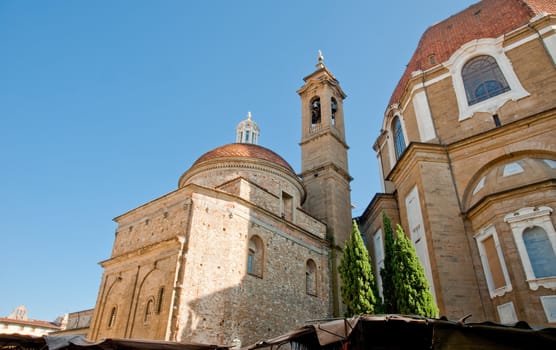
(247, 131)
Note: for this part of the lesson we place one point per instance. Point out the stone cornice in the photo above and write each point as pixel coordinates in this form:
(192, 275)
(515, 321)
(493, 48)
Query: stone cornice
(323, 131)
(162, 245)
(378, 198)
(505, 130)
(326, 167)
(244, 163)
(416, 152)
(322, 76)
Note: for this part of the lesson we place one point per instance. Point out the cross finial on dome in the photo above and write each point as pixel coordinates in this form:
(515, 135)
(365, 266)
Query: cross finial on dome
(320, 58)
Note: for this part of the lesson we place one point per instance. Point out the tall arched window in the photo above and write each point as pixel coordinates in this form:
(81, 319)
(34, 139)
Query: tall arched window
(148, 310)
(255, 257)
(311, 277)
(112, 319)
(315, 112)
(535, 238)
(333, 110)
(483, 79)
(399, 140)
(540, 252)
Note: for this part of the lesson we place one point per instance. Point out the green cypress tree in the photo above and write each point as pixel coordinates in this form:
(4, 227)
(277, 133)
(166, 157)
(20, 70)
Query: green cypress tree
(358, 283)
(387, 272)
(412, 290)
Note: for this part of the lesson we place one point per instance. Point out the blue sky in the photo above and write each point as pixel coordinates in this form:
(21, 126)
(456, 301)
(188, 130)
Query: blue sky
(104, 104)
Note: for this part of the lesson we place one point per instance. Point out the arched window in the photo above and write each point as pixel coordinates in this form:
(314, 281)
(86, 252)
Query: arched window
(540, 252)
(399, 140)
(333, 110)
(311, 277)
(483, 79)
(112, 319)
(255, 257)
(148, 310)
(315, 112)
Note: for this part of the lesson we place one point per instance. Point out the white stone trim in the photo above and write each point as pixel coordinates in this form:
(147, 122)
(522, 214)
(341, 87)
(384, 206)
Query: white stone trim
(525, 218)
(417, 233)
(474, 48)
(549, 305)
(423, 117)
(483, 234)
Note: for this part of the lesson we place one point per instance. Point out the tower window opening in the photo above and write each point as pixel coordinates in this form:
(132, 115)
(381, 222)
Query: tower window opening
(315, 112)
(333, 109)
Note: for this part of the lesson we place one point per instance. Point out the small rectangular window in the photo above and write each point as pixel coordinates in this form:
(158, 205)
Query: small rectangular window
(287, 206)
(506, 313)
(549, 305)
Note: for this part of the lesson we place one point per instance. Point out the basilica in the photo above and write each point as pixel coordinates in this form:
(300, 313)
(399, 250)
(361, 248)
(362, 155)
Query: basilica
(246, 248)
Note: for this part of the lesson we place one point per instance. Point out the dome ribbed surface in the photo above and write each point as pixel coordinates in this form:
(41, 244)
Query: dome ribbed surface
(244, 150)
(485, 19)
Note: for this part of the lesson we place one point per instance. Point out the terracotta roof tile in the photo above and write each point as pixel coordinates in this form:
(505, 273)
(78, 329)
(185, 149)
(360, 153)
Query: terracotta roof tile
(33, 323)
(485, 19)
(246, 150)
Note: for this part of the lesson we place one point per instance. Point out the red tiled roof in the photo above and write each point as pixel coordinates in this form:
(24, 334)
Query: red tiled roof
(245, 150)
(485, 19)
(33, 323)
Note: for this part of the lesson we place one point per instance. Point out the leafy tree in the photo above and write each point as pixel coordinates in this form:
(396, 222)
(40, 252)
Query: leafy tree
(387, 272)
(412, 290)
(358, 283)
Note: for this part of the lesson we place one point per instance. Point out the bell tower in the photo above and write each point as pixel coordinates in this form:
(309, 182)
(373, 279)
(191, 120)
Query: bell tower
(324, 163)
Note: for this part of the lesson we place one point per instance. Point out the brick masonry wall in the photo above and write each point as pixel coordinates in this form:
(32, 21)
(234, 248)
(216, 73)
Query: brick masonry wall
(221, 301)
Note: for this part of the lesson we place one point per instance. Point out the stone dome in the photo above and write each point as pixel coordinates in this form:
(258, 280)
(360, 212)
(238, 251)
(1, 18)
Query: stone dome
(254, 163)
(244, 150)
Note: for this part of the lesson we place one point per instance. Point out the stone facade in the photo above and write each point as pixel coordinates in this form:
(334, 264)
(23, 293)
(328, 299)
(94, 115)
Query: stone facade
(457, 169)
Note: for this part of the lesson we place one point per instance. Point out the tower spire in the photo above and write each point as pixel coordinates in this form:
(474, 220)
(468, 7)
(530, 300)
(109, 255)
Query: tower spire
(320, 59)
